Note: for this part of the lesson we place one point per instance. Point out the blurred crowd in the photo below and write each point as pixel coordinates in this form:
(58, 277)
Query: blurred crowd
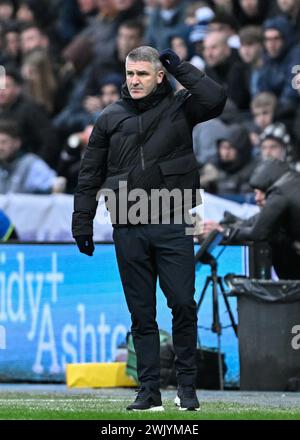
(64, 63)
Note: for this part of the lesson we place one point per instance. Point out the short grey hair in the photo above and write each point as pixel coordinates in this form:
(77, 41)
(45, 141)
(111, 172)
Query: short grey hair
(146, 53)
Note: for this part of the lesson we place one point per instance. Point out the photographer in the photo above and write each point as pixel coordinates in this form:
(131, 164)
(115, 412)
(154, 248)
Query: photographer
(276, 193)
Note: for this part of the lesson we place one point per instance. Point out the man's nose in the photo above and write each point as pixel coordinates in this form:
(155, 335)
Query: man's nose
(135, 79)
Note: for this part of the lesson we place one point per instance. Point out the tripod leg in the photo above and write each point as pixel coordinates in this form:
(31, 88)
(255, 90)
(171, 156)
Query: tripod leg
(216, 327)
(233, 323)
(220, 363)
(208, 280)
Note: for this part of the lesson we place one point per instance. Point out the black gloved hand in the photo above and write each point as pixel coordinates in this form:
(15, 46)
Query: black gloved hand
(85, 244)
(170, 60)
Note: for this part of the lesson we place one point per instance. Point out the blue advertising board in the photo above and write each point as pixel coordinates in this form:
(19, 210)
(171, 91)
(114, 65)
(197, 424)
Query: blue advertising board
(58, 306)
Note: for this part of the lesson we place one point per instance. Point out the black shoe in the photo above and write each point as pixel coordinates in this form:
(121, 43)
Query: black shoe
(186, 398)
(146, 399)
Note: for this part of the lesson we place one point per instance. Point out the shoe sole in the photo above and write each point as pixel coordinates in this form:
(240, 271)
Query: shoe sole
(153, 409)
(177, 403)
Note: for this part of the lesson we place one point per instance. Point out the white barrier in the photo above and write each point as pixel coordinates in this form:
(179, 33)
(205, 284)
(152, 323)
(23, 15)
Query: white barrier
(48, 217)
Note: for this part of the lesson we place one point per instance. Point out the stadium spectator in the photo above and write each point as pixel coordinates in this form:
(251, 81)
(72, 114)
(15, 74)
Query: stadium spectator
(199, 15)
(229, 175)
(32, 37)
(11, 44)
(223, 6)
(227, 25)
(275, 143)
(205, 137)
(291, 9)
(73, 84)
(250, 12)
(245, 73)
(22, 172)
(263, 108)
(40, 81)
(41, 12)
(7, 9)
(179, 46)
(149, 8)
(73, 17)
(37, 132)
(220, 60)
(168, 18)
(108, 93)
(283, 53)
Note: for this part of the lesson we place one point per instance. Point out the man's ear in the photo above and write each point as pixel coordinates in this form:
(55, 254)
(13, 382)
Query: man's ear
(160, 76)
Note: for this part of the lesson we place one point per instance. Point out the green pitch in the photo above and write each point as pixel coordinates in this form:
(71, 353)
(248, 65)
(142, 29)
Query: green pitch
(57, 406)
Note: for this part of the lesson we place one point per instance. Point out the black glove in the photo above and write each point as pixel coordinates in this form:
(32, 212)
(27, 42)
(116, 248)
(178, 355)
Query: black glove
(170, 60)
(85, 244)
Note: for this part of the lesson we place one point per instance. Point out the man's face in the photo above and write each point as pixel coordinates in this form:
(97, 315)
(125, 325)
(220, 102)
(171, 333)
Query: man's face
(221, 27)
(6, 12)
(32, 39)
(10, 93)
(12, 42)
(262, 117)
(270, 148)
(249, 6)
(227, 152)
(260, 198)
(286, 6)
(250, 52)
(109, 94)
(179, 46)
(127, 39)
(8, 146)
(142, 78)
(86, 6)
(273, 42)
(216, 51)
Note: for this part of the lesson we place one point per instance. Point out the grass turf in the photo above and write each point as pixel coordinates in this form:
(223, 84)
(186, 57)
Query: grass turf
(51, 406)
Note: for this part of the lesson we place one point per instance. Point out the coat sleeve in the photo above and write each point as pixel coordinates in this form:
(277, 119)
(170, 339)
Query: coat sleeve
(91, 177)
(267, 223)
(206, 98)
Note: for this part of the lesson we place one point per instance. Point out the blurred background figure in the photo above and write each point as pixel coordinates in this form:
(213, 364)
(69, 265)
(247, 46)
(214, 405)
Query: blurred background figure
(37, 132)
(22, 172)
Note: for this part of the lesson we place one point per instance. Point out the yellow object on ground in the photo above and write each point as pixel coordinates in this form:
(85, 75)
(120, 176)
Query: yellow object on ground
(97, 375)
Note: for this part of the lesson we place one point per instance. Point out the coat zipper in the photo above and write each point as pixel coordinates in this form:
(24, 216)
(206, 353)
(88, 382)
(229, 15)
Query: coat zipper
(141, 146)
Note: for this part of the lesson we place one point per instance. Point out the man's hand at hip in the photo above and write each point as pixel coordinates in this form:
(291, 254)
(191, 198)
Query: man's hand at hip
(85, 244)
(170, 60)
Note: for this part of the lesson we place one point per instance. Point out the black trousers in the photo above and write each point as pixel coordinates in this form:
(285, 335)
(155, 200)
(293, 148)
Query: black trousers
(144, 253)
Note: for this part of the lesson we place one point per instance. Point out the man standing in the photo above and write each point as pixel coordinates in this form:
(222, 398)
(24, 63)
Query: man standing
(145, 140)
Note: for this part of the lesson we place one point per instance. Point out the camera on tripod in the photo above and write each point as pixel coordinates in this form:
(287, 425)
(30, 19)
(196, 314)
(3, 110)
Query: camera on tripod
(204, 256)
